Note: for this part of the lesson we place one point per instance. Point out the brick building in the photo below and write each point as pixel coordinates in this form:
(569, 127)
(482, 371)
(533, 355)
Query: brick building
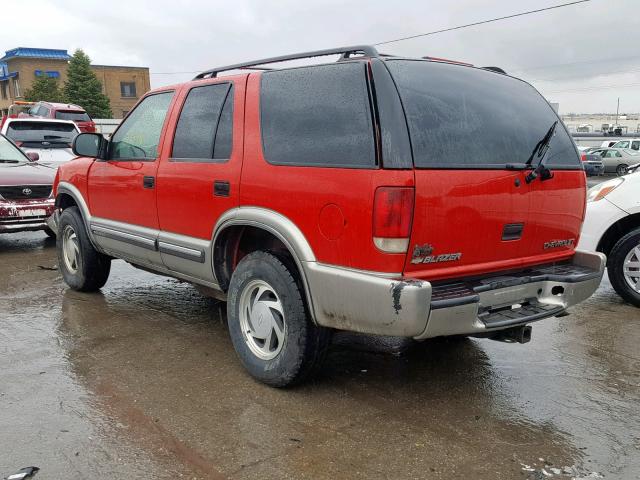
(19, 67)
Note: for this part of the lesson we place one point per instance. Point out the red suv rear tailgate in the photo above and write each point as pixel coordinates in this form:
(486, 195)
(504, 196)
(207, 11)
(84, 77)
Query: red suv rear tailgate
(459, 221)
(476, 136)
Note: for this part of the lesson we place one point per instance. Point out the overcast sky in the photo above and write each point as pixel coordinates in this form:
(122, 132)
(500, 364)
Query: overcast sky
(583, 56)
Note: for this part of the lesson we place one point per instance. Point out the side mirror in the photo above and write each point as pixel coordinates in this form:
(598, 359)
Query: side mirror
(89, 145)
(33, 156)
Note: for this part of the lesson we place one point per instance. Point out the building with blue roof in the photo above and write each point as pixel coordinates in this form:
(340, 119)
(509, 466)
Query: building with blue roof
(20, 66)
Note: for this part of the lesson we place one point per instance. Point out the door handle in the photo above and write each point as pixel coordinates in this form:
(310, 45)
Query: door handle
(221, 188)
(148, 182)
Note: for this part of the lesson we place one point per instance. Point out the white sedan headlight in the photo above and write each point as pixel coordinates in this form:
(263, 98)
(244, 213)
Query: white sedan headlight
(600, 191)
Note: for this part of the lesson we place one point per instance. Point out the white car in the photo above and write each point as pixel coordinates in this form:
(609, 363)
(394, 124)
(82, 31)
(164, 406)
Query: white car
(632, 143)
(50, 139)
(612, 226)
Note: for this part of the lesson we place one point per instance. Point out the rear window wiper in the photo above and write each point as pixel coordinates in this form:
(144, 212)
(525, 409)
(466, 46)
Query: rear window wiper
(541, 149)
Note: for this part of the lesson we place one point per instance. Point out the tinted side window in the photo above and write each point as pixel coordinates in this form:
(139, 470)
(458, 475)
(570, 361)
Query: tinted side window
(139, 135)
(318, 115)
(204, 129)
(224, 134)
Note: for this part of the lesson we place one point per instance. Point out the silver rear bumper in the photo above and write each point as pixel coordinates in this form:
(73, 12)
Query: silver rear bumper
(363, 302)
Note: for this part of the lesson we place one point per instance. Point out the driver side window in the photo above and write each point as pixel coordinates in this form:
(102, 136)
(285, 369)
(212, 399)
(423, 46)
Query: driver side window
(139, 135)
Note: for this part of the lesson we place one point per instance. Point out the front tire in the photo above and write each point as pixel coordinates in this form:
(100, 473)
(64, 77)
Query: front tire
(269, 326)
(83, 267)
(624, 267)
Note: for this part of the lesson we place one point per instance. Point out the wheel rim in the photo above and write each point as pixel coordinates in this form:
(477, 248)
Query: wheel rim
(632, 268)
(621, 170)
(70, 249)
(262, 319)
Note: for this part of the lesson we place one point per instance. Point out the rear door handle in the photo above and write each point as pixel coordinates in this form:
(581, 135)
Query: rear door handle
(148, 182)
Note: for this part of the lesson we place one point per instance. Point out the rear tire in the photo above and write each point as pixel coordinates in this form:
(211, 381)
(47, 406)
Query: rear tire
(623, 267)
(83, 267)
(269, 325)
(621, 169)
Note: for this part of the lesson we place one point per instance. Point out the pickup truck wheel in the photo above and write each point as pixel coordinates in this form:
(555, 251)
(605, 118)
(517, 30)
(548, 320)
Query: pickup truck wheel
(83, 268)
(624, 267)
(271, 331)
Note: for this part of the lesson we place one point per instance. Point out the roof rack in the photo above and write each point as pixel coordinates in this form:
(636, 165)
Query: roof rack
(347, 52)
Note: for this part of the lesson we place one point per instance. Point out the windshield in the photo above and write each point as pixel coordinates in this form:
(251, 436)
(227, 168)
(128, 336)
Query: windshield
(74, 115)
(38, 132)
(10, 154)
(462, 117)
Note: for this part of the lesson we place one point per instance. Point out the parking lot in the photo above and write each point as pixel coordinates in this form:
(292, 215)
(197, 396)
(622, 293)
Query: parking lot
(141, 381)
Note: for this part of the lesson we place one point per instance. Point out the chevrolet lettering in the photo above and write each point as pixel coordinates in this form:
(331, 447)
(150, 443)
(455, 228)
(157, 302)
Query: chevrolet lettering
(569, 242)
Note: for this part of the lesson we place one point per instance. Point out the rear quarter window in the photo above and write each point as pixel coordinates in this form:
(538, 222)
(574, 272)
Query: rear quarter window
(463, 117)
(317, 116)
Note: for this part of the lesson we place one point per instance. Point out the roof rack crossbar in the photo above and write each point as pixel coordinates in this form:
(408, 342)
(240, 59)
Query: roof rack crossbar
(346, 52)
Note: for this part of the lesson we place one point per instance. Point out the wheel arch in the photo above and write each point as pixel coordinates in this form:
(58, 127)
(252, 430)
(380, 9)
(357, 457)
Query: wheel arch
(245, 229)
(616, 231)
(68, 195)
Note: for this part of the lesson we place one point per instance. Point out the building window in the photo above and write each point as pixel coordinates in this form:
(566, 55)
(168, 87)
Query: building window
(16, 88)
(3, 90)
(127, 89)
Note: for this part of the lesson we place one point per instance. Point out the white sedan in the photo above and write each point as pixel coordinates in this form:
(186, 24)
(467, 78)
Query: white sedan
(50, 139)
(612, 226)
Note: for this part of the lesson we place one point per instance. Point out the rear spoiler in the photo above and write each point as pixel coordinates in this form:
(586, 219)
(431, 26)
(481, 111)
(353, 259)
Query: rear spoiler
(465, 64)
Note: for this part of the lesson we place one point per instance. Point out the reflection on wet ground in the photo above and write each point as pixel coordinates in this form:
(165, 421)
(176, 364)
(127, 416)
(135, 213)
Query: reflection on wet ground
(141, 381)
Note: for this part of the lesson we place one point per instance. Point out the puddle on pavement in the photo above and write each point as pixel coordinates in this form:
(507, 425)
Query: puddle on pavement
(151, 382)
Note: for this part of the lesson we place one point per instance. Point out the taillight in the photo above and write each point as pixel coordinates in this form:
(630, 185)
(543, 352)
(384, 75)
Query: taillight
(18, 144)
(392, 215)
(583, 157)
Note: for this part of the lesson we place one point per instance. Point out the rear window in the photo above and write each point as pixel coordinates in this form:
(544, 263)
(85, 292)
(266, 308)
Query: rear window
(74, 115)
(462, 117)
(317, 116)
(51, 132)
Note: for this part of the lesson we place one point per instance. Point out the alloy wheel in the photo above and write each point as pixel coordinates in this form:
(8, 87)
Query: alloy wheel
(70, 249)
(631, 268)
(262, 319)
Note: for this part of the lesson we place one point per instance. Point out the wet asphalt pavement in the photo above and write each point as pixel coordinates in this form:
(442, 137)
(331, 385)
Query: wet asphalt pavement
(141, 381)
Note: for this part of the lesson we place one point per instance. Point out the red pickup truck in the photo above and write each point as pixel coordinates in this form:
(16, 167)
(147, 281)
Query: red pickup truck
(378, 194)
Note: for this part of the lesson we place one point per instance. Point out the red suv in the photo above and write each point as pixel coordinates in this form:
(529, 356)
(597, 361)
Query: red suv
(64, 111)
(378, 194)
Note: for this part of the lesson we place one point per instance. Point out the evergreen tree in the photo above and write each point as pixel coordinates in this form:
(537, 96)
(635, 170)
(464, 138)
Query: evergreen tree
(44, 89)
(83, 87)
